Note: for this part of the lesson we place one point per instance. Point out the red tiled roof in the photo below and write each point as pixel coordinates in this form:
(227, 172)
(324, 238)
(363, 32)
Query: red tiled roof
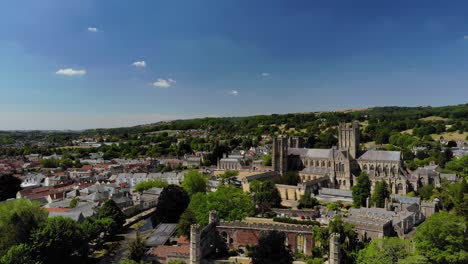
(86, 167)
(58, 210)
(163, 251)
(182, 240)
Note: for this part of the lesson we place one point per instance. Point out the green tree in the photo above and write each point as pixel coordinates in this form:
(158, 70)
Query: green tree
(60, 240)
(290, 178)
(146, 185)
(129, 261)
(307, 201)
(361, 191)
(18, 254)
(229, 202)
(110, 210)
(227, 175)
(73, 202)
(384, 250)
(265, 195)
(266, 160)
(271, 249)
(462, 208)
(18, 219)
(381, 192)
(137, 248)
(9, 186)
(425, 192)
(172, 203)
(443, 238)
(185, 222)
(194, 182)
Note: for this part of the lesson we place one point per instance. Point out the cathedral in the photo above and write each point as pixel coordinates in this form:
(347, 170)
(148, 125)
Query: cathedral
(338, 167)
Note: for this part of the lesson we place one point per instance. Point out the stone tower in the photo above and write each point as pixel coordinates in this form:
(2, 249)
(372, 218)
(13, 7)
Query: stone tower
(279, 157)
(348, 138)
(296, 142)
(335, 254)
(195, 250)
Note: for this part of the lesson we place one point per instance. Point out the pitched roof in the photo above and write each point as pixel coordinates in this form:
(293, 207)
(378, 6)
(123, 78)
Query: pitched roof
(381, 155)
(311, 153)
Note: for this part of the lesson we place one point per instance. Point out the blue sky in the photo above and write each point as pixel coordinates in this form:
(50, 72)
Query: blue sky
(70, 64)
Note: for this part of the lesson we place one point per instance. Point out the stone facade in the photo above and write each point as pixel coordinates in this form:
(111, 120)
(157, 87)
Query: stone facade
(338, 167)
(240, 233)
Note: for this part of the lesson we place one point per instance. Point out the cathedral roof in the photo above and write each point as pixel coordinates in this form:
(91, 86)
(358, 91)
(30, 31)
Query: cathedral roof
(311, 153)
(315, 171)
(381, 155)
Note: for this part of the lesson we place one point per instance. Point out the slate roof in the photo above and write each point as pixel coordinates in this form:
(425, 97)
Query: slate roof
(316, 170)
(77, 216)
(381, 155)
(449, 176)
(161, 234)
(311, 153)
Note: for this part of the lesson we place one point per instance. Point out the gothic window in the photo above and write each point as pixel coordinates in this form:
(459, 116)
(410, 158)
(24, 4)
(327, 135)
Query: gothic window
(400, 187)
(329, 164)
(300, 244)
(323, 163)
(371, 167)
(316, 163)
(344, 182)
(224, 235)
(364, 167)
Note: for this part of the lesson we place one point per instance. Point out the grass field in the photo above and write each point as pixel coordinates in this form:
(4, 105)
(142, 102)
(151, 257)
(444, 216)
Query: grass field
(433, 118)
(450, 136)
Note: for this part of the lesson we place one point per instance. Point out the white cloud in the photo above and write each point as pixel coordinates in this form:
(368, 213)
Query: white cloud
(233, 92)
(93, 29)
(70, 72)
(265, 74)
(465, 37)
(163, 83)
(139, 64)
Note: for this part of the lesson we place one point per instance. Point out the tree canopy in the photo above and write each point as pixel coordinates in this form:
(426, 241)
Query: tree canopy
(381, 192)
(146, 185)
(172, 203)
(18, 219)
(9, 186)
(271, 249)
(230, 203)
(307, 201)
(60, 240)
(387, 250)
(361, 191)
(443, 238)
(265, 195)
(110, 210)
(194, 182)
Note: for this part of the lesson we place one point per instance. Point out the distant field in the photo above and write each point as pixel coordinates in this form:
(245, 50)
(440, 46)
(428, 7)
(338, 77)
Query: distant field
(162, 131)
(433, 118)
(76, 147)
(450, 136)
(408, 131)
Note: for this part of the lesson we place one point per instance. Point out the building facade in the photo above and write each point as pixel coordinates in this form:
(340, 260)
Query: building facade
(338, 167)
